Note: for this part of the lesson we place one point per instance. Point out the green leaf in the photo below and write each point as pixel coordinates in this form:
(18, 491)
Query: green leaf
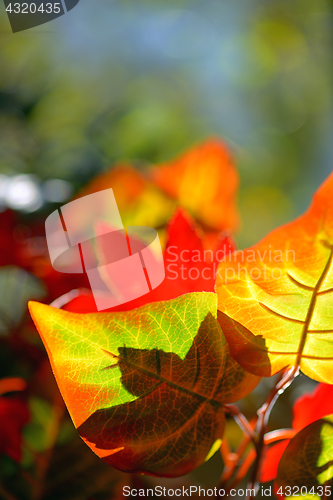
(308, 458)
(145, 388)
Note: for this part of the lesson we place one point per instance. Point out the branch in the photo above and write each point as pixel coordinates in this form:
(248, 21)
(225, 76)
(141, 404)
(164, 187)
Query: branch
(278, 435)
(263, 413)
(241, 420)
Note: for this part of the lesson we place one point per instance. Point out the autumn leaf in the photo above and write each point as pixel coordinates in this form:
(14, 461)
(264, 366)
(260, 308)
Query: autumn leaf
(272, 459)
(275, 298)
(307, 460)
(204, 181)
(189, 267)
(188, 263)
(307, 409)
(8, 249)
(127, 184)
(142, 387)
(140, 202)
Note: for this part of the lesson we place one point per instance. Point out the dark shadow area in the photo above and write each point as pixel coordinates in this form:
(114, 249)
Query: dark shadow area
(249, 350)
(178, 413)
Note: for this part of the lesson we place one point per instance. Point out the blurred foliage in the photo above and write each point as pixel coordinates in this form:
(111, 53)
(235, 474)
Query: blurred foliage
(143, 81)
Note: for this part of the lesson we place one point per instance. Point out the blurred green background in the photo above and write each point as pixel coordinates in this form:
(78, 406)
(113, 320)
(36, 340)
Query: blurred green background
(145, 80)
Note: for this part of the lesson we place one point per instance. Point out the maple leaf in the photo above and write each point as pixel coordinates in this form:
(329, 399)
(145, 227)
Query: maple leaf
(275, 298)
(145, 388)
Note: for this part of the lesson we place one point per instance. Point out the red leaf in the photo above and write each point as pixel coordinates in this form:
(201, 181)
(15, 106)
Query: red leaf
(313, 406)
(189, 267)
(272, 458)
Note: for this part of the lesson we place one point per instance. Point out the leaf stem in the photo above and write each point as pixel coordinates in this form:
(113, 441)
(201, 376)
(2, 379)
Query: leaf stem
(12, 384)
(255, 432)
(241, 420)
(278, 435)
(233, 461)
(263, 413)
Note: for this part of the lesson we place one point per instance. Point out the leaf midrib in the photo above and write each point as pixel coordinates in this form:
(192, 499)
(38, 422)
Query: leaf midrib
(162, 379)
(311, 309)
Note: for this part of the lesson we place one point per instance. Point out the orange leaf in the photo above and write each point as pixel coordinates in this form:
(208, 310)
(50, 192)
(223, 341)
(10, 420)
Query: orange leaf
(140, 202)
(204, 181)
(275, 298)
(127, 183)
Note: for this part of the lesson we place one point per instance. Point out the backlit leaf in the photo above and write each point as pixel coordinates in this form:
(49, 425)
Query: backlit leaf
(204, 181)
(237, 382)
(140, 202)
(276, 298)
(143, 387)
(189, 267)
(307, 460)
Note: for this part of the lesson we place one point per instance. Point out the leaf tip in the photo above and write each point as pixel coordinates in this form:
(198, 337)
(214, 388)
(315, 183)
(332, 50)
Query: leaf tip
(41, 314)
(36, 309)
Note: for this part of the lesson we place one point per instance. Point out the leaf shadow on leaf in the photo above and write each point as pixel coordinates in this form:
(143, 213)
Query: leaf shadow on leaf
(249, 350)
(178, 414)
(299, 463)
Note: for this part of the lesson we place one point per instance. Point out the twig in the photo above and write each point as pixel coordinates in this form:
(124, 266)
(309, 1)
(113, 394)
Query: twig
(263, 413)
(232, 460)
(243, 469)
(241, 420)
(279, 435)
(227, 455)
